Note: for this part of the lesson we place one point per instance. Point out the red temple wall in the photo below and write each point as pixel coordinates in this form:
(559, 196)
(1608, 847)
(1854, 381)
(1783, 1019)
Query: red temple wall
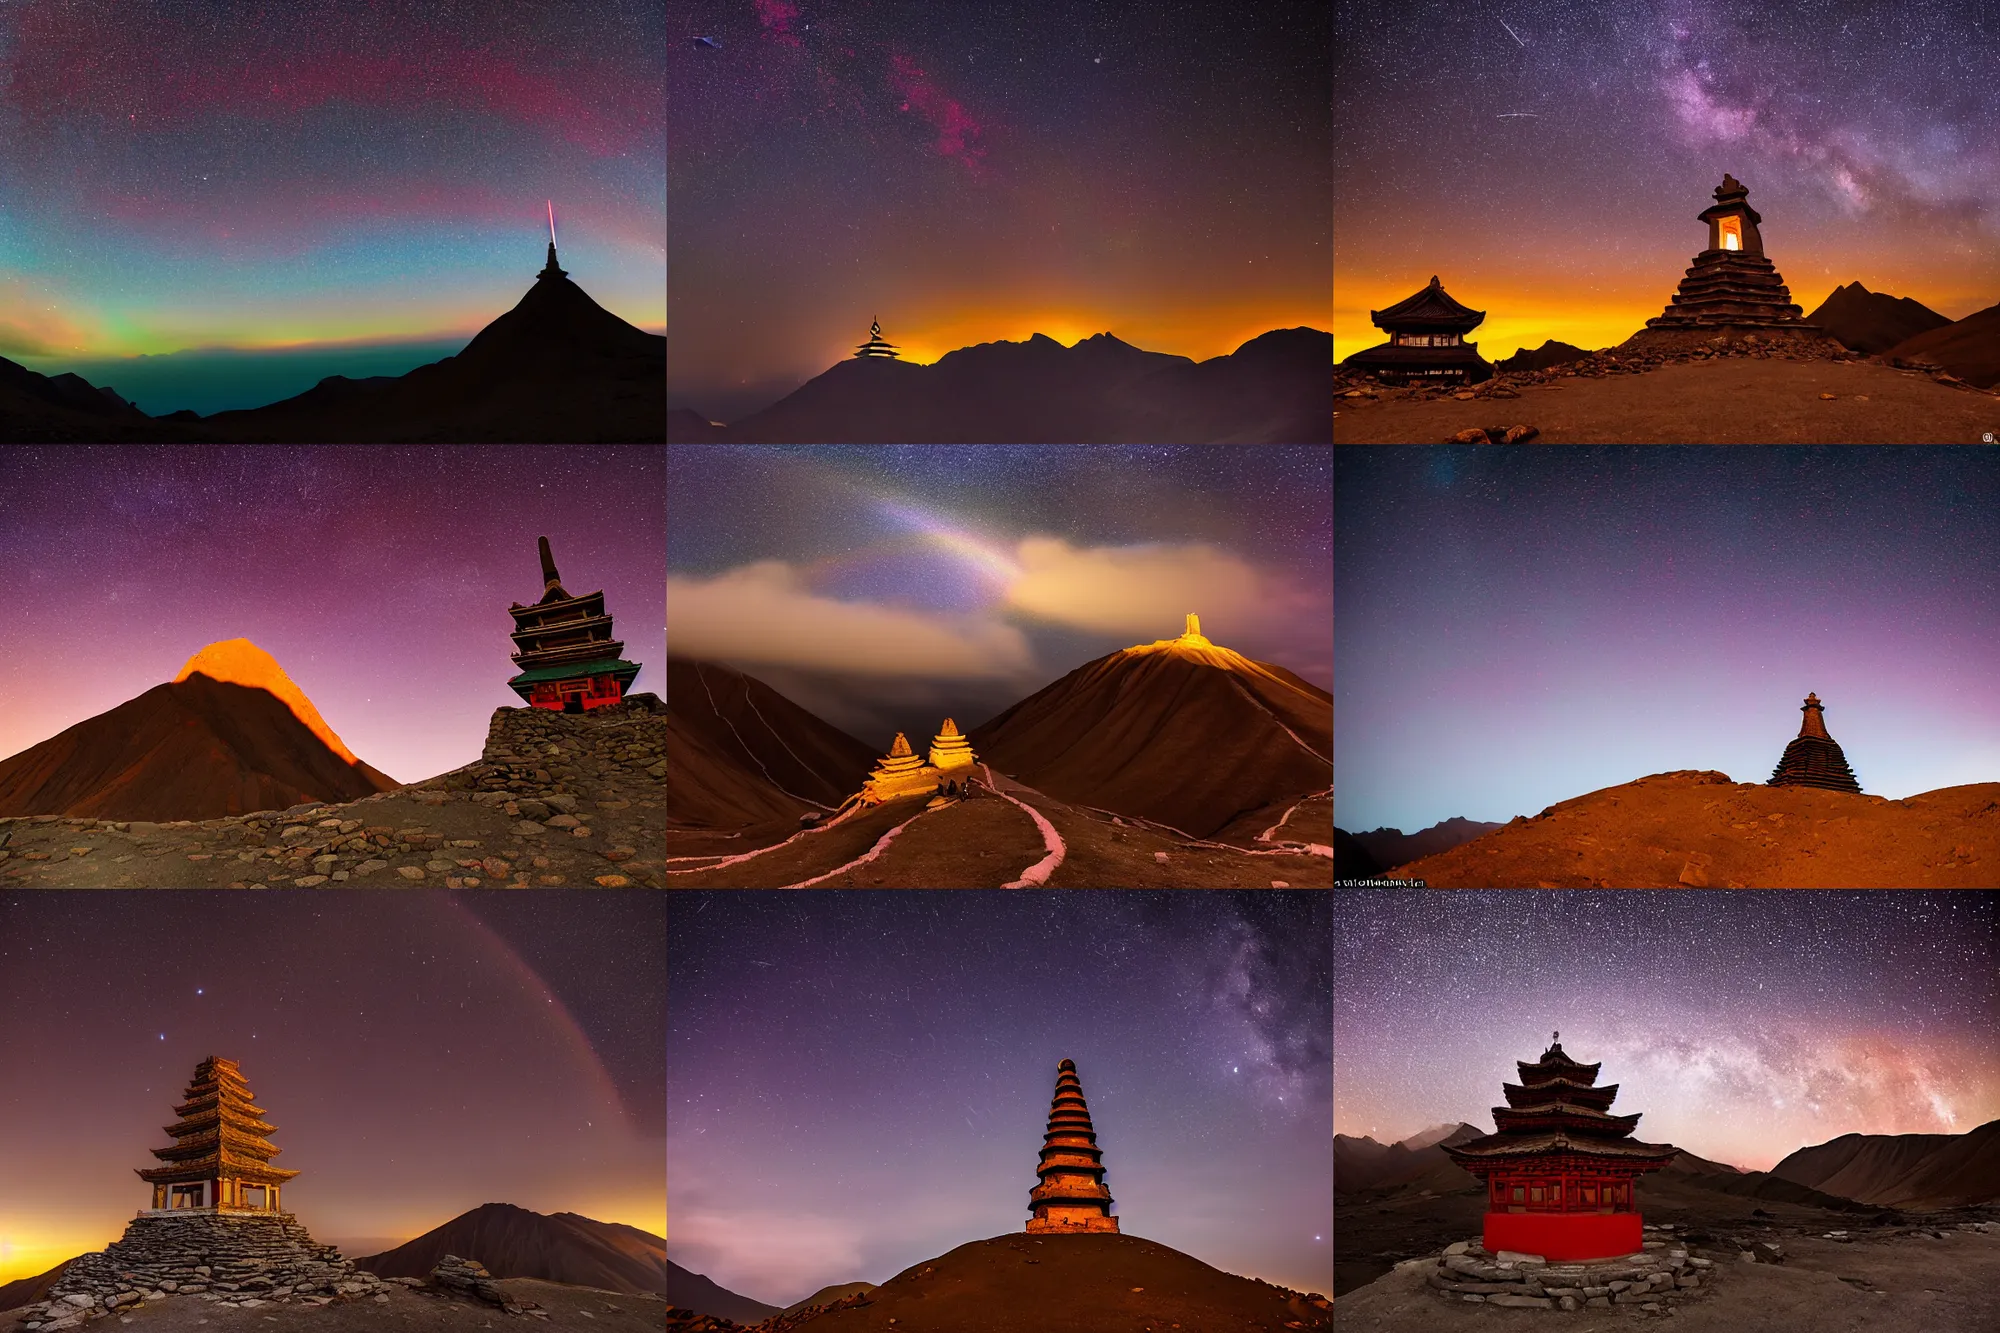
(1564, 1236)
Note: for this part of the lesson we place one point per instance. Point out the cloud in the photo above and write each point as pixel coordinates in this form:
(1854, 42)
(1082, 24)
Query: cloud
(761, 613)
(1144, 589)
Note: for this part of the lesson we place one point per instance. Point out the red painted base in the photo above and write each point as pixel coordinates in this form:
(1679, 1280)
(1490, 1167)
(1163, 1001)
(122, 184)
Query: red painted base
(1565, 1236)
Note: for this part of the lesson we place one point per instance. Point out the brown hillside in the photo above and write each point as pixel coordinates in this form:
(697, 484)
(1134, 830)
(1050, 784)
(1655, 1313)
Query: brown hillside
(1019, 1283)
(1699, 829)
(1873, 322)
(29, 1290)
(1903, 1170)
(765, 733)
(193, 749)
(515, 1242)
(1969, 349)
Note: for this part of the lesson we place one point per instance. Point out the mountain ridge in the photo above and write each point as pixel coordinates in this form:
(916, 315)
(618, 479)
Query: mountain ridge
(517, 1242)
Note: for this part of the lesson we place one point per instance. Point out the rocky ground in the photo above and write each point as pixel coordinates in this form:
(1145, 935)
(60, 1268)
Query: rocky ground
(1938, 1277)
(1698, 829)
(1731, 393)
(554, 799)
(399, 1307)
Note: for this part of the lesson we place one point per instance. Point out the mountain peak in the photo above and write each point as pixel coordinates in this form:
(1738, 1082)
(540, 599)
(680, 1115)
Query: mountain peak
(241, 662)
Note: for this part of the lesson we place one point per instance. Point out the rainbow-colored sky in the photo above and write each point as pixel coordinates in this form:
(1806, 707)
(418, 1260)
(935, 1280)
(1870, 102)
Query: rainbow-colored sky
(185, 175)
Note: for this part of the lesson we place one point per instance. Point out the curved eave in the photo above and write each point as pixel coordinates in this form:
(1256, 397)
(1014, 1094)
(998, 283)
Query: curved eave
(1558, 1143)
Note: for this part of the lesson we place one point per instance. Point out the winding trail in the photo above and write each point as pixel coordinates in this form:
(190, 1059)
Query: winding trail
(1265, 836)
(881, 845)
(1266, 710)
(745, 856)
(744, 745)
(1038, 873)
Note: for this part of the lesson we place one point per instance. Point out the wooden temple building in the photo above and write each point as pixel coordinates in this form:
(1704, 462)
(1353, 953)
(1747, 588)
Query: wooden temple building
(1560, 1170)
(1731, 289)
(875, 346)
(1814, 759)
(220, 1160)
(1426, 342)
(569, 661)
(1071, 1197)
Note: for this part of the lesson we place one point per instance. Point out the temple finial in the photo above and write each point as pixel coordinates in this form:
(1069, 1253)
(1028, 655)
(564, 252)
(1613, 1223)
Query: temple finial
(550, 579)
(1193, 623)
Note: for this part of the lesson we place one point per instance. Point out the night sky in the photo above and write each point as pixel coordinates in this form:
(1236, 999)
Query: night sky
(1521, 627)
(186, 175)
(379, 577)
(973, 172)
(420, 1053)
(1551, 175)
(1741, 1024)
(885, 588)
(860, 1081)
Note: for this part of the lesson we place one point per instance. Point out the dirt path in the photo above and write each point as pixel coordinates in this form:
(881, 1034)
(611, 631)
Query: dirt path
(1727, 401)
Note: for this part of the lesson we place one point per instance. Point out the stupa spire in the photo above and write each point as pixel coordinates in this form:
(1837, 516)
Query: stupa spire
(1071, 1197)
(1814, 759)
(875, 346)
(552, 269)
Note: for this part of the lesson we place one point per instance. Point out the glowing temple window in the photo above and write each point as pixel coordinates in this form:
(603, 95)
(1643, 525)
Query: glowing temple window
(1732, 234)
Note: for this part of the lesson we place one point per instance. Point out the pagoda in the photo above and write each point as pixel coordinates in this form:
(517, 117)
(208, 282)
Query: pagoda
(875, 346)
(1813, 759)
(1426, 342)
(569, 661)
(220, 1160)
(900, 773)
(1071, 1198)
(1560, 1170)
(950, 750)
(1732, 289)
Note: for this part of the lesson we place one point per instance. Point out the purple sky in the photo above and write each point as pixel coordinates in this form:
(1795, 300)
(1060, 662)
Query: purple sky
(1520, 627)
(857, 1082)
(420, 1053)
(378, 577)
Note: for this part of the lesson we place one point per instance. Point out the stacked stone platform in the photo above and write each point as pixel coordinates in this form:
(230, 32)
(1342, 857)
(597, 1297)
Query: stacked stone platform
(235, 1259)
(1662, 1273)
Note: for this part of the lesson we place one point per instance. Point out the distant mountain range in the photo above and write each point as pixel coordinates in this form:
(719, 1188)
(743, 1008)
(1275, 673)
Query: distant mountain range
(230, 734)
(1363, 1164)
(1390, 847)
(556, 369)
(1550, 353)
(1903, 1170)
(692, 1291)
(1275, 389)
(516, 1242)
(1873, 322)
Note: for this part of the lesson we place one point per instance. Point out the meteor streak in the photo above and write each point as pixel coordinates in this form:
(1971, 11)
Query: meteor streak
(552, 222)
(1510, 32)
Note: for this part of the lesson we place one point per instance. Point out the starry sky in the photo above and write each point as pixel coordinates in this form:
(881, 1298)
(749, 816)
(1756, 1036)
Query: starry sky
(974, 172)
(351, 176)
(860, 1081)
(379, 577)
(420, 1053)
(886, 588)
(1741, 1024)
(1547, 159)
(1524, 626)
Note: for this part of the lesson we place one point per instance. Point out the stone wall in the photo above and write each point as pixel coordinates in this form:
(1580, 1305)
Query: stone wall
(538, 751)
(239, 1259)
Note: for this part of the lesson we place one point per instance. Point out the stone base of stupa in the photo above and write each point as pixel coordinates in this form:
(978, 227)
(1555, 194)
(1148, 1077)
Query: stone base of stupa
(1040, 1226)
(1797, 338)
(1469, 1273)
(229, 1256)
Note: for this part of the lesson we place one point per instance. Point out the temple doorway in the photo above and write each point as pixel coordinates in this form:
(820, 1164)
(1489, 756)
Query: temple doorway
(1732, 233)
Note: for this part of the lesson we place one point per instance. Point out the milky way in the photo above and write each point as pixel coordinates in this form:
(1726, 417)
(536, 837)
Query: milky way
(1742, 1025)
(970, 172)
(1551, 177)
(859, 1081)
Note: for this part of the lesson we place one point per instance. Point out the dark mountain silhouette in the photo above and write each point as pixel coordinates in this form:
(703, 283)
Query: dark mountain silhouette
(1275, 389)
(687, 426)
(1969, 349)
(692, 1291)
(746, 754)
(557, 368)
(1550, 353)
(1180, 731)
(200, 747)
(1903, 1170)
(1361, 1164)
(515, 1242)
(1350, 859)
(1392, 847)
(1873, 322)
(36, 407)
(29, 1290)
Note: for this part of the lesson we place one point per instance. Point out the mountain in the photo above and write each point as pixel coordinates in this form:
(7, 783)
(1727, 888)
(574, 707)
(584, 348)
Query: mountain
(557, 368)
(66, 407)
(1276, 388)
(1698, 829)
(1017, 1283)
(1180, 731)
(1440, 1133)
(687, 426)
(1916, 1171)
(1351, 860)
(825, 1294)
(764, 733)
(1364, 1164)
(1969, 349)
(29, 1290)
(1873, 322)
(1393, 847)
(230, 734)
(514, 1242)
(692, 1291)
(1550, 353)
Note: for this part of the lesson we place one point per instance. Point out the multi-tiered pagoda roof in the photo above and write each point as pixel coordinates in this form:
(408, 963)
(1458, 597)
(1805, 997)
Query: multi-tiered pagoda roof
(220, 1133)
(1814, 759)
(1426, 341)
(1072, 1195)
(565, 649)
(1557, 1109)
(875, 346)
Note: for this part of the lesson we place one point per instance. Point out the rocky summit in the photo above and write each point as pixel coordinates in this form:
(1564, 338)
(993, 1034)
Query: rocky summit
(235, 1260)
(555, 799)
